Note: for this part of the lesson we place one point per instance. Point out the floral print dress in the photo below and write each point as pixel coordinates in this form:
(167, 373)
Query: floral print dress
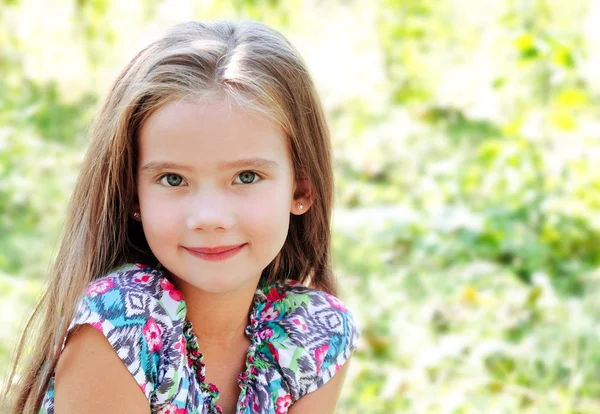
(300, 337)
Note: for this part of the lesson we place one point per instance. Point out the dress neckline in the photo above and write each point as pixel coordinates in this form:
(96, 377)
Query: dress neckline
(264, 294)
(209, 390)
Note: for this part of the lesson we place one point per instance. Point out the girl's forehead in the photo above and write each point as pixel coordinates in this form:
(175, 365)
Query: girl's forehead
(211, 131)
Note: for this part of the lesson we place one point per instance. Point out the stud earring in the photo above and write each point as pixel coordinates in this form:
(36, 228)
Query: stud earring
(300, 206)
(137, 215)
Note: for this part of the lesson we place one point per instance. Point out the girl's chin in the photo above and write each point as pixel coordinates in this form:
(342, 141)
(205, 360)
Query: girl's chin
(214, 280)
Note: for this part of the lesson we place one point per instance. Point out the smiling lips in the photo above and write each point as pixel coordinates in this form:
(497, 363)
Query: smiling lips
(213, 254)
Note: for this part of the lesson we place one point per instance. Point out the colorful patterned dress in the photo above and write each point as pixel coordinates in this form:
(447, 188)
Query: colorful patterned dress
(300, 337)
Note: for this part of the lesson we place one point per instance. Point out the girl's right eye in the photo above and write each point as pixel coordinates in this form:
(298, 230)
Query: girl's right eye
(171, 180)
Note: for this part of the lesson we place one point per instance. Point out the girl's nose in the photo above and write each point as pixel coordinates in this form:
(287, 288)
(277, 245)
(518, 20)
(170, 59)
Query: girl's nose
(210, 212)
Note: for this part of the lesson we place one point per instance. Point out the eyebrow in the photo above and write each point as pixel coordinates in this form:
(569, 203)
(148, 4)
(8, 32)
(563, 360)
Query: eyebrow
(258, 163)
(250, 162)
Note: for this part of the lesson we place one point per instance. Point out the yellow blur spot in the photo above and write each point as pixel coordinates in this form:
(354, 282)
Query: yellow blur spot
(563, 120)
(470, 295)
(525, 42)
(572, 97)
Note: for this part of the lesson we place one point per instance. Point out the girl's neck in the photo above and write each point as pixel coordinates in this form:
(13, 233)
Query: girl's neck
(219, 319)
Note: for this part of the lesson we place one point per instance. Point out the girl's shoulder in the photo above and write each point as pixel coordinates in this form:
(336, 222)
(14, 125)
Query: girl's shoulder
(309, 334)
(142, 316)
(137, 308)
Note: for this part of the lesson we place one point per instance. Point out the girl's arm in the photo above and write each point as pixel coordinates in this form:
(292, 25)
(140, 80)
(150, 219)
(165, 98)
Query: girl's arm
(324, 399)
(90, 378)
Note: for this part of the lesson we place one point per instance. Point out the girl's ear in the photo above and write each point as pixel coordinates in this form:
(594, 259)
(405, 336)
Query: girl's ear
(135, 211)
(304, 195)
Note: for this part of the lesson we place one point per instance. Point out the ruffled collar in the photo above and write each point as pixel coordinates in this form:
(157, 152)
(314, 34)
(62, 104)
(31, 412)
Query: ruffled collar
(264, 295)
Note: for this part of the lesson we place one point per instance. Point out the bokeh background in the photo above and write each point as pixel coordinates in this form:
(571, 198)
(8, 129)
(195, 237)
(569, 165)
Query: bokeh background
(467, 153)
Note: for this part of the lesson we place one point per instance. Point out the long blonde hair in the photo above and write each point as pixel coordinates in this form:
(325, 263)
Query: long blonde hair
(254, 66)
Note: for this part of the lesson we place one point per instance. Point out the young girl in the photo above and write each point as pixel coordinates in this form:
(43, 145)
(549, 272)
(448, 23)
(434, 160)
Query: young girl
(194, 273)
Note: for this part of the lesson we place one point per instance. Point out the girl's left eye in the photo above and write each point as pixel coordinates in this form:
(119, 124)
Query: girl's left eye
(247, 177)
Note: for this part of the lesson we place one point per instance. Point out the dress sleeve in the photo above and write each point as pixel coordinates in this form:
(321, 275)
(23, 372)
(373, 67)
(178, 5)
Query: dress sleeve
(321, 336)
(131, 321)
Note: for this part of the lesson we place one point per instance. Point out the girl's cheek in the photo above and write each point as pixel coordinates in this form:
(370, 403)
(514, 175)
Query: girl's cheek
(256, 206)
(270, 202)
(160, 211)
(267, 216)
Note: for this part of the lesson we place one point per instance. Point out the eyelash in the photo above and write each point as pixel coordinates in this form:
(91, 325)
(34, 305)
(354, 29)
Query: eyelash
(160, 179)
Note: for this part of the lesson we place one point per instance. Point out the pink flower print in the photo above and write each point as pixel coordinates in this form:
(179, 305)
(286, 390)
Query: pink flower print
(299, 323)
(273, 351)
(320, 354)
(166, 284)
(213, 388)
(265, 333)
(255, 403)
(173, 293)
(143, 279)
(181, 345)
(270, 313)
(274, 295)
(97, 325)
(335, 302)
(242, 377)
(282, 404)
(99, 287)
(172, 409)
(152, 332)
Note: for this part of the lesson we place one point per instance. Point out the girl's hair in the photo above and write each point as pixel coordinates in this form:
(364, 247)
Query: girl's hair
(248, 64)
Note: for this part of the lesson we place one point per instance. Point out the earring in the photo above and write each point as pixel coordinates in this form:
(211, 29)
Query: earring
(300, 206)
(136, 216)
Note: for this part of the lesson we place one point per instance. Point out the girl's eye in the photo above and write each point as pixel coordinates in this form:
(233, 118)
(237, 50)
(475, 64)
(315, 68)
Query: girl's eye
(247, 177)
(171, 180)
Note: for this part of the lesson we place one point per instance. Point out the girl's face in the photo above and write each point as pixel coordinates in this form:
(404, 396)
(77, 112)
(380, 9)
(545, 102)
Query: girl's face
(215, 187)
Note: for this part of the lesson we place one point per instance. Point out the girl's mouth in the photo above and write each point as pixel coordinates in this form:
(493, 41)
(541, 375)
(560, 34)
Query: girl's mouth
(218, 253)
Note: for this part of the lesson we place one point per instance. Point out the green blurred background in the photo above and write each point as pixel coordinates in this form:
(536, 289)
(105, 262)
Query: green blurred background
(467, 153)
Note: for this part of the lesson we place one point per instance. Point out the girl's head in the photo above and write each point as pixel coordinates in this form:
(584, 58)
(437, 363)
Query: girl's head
(205, 96)
(249, 79)
(211, 175)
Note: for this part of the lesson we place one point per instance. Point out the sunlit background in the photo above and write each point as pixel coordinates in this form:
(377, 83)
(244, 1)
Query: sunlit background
(467, 153)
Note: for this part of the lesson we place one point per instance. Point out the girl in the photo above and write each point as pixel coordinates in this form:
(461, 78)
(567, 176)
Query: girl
(194, 274)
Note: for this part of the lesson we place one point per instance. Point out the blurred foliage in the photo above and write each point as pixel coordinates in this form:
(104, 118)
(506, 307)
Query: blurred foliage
(466, 138)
